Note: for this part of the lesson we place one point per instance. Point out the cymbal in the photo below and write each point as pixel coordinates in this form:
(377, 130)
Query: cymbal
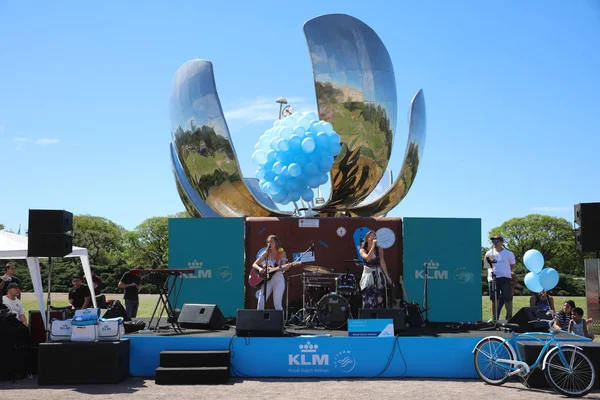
(317, 268)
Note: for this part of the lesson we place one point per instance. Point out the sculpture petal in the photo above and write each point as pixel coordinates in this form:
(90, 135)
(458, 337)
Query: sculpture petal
(204, 148)
(356, 92)
(414, 153)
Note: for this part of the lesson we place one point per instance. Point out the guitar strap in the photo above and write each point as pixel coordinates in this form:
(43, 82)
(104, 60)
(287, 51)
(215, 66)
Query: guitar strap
(279, 251)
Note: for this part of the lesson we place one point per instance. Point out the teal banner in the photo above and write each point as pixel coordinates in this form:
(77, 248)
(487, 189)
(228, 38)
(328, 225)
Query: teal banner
(214, 248)
(448, 250)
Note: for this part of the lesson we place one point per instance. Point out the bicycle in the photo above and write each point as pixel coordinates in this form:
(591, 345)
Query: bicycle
(567, 369)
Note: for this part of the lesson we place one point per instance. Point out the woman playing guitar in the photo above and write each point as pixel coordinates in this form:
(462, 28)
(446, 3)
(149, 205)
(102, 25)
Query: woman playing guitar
(272, 262)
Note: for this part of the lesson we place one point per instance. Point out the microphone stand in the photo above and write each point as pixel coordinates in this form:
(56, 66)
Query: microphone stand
(287, 287)
(426, 294)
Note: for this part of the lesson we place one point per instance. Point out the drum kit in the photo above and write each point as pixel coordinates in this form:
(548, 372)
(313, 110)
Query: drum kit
(326, 297)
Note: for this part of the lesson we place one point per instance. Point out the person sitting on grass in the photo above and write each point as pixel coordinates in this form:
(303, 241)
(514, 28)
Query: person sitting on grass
(543, 300)
(578, 325)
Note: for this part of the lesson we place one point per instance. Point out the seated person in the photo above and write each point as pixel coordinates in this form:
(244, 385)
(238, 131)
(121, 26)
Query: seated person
(543, 300)
(578, 325)
(564, 317)
(79, 296)
(11, 300)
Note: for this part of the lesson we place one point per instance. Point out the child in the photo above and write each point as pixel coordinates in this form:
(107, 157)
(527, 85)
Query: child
(578, 325)
(564, 317)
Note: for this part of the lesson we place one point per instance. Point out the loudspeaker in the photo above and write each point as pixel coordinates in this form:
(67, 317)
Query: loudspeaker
(385, 313)
(587, 239)
(587, 215)
(50, 221)
(48, 233)
(259, 323)
(201, 316)
(37, 330)
(526, 314)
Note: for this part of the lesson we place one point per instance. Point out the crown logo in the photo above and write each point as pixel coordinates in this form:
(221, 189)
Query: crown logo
(431, 264)
(195, 264)
(308, 347)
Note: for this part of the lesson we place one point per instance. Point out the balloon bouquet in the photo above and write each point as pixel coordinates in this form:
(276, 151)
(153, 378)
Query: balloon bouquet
(539, 278)
(295, 156)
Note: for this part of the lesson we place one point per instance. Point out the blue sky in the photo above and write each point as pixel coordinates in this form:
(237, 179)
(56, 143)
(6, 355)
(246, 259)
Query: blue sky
(512, 91)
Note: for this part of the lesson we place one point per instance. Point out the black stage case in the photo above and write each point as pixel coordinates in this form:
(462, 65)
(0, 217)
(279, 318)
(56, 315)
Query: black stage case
(65, 363)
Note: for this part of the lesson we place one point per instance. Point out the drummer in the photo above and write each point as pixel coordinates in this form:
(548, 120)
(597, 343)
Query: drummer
(375, 273)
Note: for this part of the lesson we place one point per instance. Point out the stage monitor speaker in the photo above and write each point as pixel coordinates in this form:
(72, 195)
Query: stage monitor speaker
(587, 239)
(527, 314)
(50, 221)
(587, 215)
(201, 316)
(385, 313)
(259, 323)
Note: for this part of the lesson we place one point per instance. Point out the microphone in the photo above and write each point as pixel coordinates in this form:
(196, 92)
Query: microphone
(312, 247)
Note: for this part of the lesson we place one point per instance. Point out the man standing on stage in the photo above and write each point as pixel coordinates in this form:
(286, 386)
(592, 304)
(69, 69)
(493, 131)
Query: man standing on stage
(8, 278)
(132, 283)
(503, 263)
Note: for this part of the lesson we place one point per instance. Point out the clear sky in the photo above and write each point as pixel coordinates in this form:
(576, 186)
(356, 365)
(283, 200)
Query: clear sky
(512, 91)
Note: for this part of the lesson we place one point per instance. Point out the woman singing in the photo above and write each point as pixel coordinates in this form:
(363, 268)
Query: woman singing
(375, 273)
(274, 261)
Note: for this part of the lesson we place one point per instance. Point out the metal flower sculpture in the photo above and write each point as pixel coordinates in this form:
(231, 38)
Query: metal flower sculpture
(356, 92)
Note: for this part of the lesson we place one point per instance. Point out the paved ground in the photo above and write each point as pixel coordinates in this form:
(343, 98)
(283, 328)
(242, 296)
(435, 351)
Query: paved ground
(254, 389)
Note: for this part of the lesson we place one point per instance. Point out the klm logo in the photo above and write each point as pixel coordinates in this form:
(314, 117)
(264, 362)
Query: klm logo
(106, 328)
(198, 273)
(308, 356)
(432, 270)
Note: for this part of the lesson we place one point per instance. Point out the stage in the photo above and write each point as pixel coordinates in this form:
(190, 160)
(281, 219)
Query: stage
(431, 352)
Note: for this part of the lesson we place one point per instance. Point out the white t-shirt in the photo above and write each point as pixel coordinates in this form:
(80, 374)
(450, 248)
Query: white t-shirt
(14, 305)
(504, 259)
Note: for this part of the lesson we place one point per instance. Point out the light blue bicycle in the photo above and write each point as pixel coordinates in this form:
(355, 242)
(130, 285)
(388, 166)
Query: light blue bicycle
(568, 370)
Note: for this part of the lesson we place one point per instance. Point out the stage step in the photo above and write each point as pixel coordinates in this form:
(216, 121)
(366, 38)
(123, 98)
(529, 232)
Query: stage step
(205, 358)
(193, 367)
(191, 376)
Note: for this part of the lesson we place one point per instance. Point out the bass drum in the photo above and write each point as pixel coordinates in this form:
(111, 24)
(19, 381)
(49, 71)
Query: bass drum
(333, 311)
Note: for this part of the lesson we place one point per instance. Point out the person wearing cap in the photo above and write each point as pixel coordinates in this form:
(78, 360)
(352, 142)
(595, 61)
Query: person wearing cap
(503, 263)
(8, 278)
(12, 301)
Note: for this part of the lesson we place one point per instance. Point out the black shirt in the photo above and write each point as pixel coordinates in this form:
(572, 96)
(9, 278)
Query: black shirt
(12, 279)
(131, 293)
(78, 296)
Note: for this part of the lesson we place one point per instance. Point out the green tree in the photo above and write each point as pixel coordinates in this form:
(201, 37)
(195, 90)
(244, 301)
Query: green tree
(553, 237)
(1, 227)
(101, 237)
(148, 243)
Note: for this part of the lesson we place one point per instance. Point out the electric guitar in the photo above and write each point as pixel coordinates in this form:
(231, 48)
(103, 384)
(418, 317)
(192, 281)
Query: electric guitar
(392, 300)
(257, 278)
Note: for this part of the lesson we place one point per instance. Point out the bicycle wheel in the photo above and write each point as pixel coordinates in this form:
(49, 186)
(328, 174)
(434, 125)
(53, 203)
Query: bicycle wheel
(484, 358)
(576, 378)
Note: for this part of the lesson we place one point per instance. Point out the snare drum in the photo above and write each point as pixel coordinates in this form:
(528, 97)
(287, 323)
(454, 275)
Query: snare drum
(333, 311)
(345, 284)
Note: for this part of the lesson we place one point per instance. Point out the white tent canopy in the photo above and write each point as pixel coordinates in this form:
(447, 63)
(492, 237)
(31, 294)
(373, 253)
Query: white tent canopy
(14, 247)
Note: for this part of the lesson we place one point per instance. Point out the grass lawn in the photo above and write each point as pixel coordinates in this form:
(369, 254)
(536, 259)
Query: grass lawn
(148, 302)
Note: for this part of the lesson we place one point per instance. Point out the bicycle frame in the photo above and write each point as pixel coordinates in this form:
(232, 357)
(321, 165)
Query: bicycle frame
(547, 339)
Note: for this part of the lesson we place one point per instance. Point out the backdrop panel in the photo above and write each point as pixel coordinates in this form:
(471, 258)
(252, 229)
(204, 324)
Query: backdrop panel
(214, 247)
(452, 248)
(336, 241)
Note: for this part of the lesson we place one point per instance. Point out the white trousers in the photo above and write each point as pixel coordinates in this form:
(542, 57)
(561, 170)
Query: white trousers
(275, 286)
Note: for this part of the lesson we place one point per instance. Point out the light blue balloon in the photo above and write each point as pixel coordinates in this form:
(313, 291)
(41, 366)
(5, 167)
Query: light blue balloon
(327, 127)
(286, 132)
(295, 142)
(307, 194)
(300, 159)
(283, 145)
(334, 149)
(313, 182)
(279, 197)
(548, 278)
(259, 157)
(292, 185)
(288, 121)
(325, 164)
(323, 178)
(304, 122)
(334, 138)
(322, 140)
(294, 169)
(277, 167)
(277, 122)
(263, 185)
(257, 146)
(281, 180)
(308, 145)
(532, 282)
(273, 143)
(311, 115)
(274, 189)
(264, 141)
(311, 168)
(271, 156)
(270, 176)
(299, 130)
(533, 260)
(294, 196)
(260, 174)
(284, 171)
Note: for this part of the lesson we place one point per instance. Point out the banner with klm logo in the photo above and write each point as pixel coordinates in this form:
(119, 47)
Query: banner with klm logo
(449, 251)
(214, 248)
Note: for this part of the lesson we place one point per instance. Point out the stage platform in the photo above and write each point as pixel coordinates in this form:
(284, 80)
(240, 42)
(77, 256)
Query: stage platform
(430, 352)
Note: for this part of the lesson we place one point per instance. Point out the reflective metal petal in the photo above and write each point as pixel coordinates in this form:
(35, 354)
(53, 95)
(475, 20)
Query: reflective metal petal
(203, 147)
(414, 153)
(356, 93)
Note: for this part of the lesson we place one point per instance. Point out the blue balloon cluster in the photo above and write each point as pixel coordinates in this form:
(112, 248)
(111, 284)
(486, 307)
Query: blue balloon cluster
(539, 278)
(295, 156)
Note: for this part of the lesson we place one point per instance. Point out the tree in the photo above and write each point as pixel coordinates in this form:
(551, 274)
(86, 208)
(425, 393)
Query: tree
(1, 227)
(553, 237)
(148, 243)
(102, 237)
